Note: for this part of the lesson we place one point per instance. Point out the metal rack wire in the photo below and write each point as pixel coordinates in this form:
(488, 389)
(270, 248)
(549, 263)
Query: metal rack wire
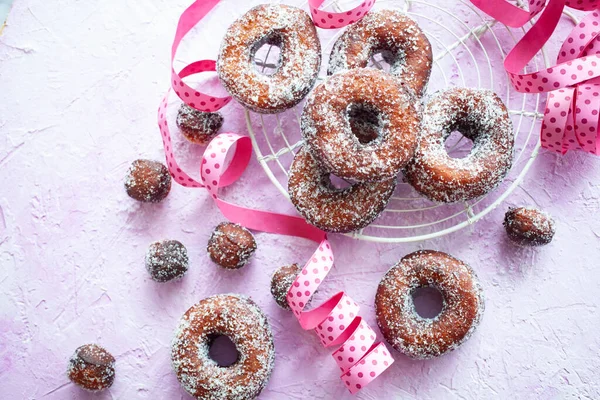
(465, 54)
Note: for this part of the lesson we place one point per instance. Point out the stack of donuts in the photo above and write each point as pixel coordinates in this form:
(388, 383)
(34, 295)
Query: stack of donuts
(364, 125)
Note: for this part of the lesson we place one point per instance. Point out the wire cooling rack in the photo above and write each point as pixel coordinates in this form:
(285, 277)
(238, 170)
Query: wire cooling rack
(468, 50)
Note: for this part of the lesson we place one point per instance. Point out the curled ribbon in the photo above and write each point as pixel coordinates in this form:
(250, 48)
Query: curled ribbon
(571, 120)
(336, 321)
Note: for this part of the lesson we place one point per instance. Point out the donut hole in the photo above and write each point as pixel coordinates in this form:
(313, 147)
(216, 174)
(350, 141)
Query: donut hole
(266, 54)
(366, 122)
(458, 145)
(383, 59)
(222, 350)
(428, 301)
(337, 182)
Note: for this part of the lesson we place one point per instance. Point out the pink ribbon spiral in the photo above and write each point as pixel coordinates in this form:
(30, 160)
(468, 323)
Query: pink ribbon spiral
(571, 119)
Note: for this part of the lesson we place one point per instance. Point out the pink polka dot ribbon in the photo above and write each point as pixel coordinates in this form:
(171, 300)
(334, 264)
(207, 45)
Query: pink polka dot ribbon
(332, 20)
(192, 97)
(336, 323)
(571, 118)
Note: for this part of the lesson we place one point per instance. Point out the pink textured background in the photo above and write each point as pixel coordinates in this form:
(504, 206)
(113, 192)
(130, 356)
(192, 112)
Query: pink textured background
(80, 83)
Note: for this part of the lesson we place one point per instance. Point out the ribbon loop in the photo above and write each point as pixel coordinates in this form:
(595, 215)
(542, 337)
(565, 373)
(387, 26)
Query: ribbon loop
(334, 20)
(571, 117)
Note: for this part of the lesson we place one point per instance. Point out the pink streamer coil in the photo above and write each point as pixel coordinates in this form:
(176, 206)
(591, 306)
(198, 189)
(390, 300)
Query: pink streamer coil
(571, 119)
(361, 359)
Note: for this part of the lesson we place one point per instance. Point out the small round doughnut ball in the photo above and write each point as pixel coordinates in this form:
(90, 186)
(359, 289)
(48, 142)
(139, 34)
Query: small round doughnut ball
(281, 281)
(196, 126)
(231, 245)
(148, 181)
(529, 226)
(167, 260)
(92, 368)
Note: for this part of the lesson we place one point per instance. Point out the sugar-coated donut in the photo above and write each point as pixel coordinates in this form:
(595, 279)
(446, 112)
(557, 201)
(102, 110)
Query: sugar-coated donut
(480, 116)
(287, 27)
(328, 133)
(418, 337)
(238, 318)
(148, 181)
(282, 281)
(231, 245)
(196, 126)
(397, 37)
(329, 208)
(92, 367)
(167, 260)
(528, 226)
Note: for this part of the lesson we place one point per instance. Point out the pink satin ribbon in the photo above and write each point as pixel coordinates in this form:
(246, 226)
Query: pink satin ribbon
(573, 85)
(336, 322)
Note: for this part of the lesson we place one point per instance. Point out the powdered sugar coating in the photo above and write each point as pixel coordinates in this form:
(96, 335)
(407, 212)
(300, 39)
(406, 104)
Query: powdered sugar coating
(419, 337)
(92, 368)
(196, 126)
(148, 181)
(285, 26)
(240, 319)
(326, 127)
(400, 40)
(231, 245)
(166, 260)
(281, 281)
(329, 208)
(479, 115)
(528, 226)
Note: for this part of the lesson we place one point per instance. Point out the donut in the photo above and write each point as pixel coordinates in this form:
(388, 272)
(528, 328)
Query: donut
(526, 226)
(238, 318)
(481, 117)
(231, 245)
(282, 281)
(398, 38)
(419, 337)
(289, 28)
(329, 208)
(196, 126)
(166, 260)
(148, 181)
(92, 368)
(328, 133)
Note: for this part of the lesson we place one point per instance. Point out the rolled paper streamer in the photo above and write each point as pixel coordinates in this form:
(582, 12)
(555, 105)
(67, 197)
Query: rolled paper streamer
(190, 96)
(571, 119)
(336, 323)
(333, 20)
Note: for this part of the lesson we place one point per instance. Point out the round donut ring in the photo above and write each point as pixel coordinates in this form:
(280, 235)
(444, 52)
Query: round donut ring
(418, 337)
(243, 322)
(331, 209)
(480, 116)
(401, 42)
(287, 27)
(327, 130)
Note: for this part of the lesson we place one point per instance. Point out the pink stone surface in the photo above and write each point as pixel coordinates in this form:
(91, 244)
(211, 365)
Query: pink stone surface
(81, 82)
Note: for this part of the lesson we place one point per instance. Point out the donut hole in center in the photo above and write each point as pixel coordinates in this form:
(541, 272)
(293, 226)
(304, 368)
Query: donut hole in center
(266, 54)
(336, 182)
(458, 145)
(428, 301)
(383, 60)
(366, 122)
(222, 350)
